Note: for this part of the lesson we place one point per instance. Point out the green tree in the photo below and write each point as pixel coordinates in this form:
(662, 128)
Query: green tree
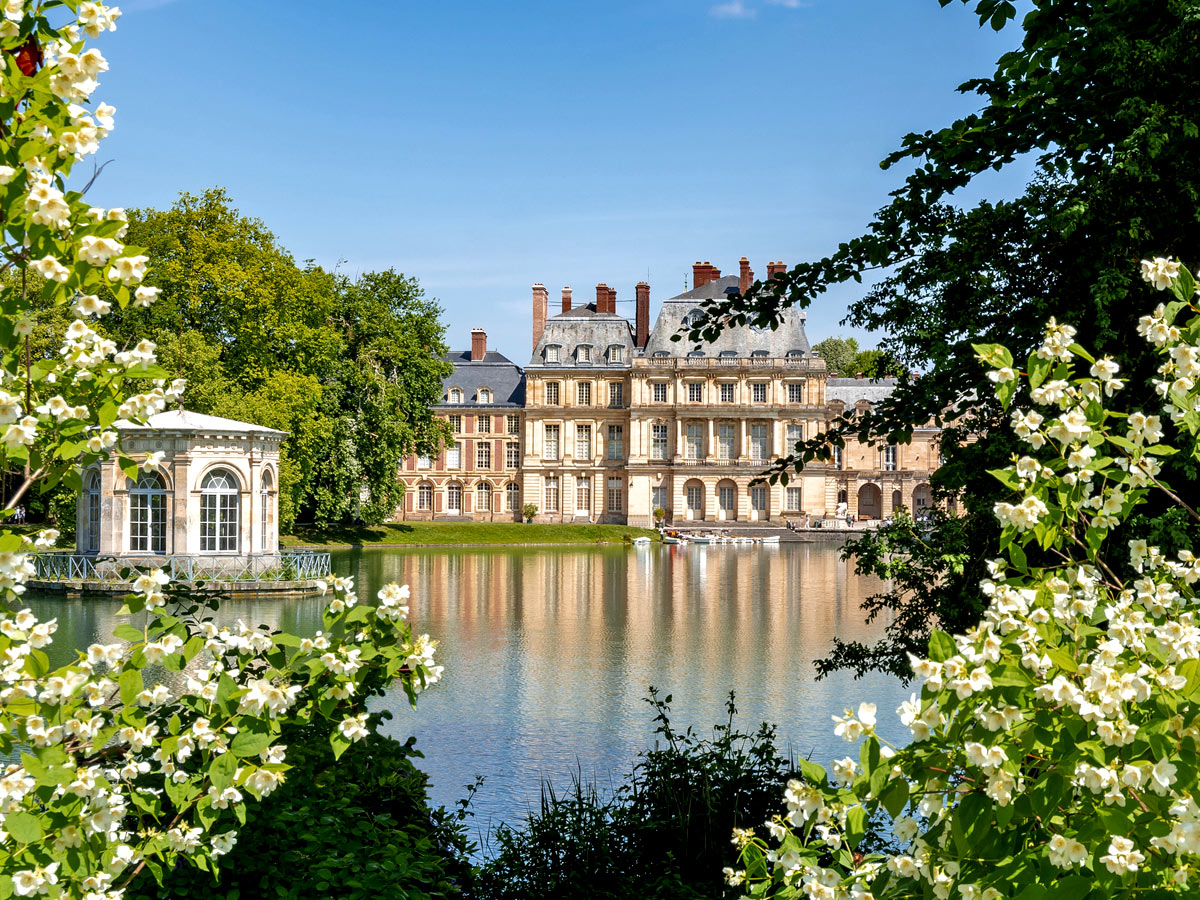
(1100, 94)
(839, 355)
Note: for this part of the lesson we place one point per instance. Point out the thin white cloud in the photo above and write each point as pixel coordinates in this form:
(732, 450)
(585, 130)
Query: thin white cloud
(790, 4)
(734, 9)
(144, 5)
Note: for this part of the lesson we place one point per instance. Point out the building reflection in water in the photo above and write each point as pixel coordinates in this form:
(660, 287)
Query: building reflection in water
(549, 652)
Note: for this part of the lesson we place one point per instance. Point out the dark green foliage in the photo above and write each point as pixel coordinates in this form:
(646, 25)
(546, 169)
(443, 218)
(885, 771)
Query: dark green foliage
(357, 828)
(664, 833)
(1100, 95)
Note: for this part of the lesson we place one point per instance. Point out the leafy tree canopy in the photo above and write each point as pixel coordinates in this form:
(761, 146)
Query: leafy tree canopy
(1100, 94)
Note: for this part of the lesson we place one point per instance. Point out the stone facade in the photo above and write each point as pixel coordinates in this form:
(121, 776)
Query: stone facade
(615, 420)
(214, 493)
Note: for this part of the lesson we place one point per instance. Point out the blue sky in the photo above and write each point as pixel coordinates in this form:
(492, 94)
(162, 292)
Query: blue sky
(483, 147)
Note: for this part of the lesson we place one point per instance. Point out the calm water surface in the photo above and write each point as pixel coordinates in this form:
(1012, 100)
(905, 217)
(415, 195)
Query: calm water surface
(549, 652)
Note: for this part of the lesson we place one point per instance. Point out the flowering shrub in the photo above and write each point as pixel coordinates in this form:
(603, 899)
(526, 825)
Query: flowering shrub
(1054, 746)
(114, 772)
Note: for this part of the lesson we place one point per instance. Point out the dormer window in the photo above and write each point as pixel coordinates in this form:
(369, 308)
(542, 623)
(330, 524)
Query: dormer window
(759, 354)
(661, 353)
(616, 353)
(583, 354)
(696, 354)
(484, 395)
(455, 395)
(552, 353)
(728, 354)
(795, 353)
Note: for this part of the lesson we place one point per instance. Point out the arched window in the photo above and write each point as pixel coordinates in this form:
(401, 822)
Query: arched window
(455, 395)
(219, 513)
(265, 488)
(484, 395)
(91, 525)
(483, 497)
(425, 496)
(513, 493)
(454, 498)
(147, 515)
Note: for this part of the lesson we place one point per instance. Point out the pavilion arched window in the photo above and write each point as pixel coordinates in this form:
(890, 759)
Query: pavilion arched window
(147, 515)
(219, 508)
(266, 488)
(91, 524)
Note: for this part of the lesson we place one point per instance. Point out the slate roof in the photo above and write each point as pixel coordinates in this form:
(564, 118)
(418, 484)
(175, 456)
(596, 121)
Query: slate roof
(583, 325)
(851, 390)
(495, 371)
(787, 339)
(188, 421)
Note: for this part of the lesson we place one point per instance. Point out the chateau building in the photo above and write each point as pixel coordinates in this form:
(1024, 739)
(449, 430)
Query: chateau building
(612, 420)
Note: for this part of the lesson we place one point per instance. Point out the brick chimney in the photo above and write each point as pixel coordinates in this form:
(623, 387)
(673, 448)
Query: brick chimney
(566, 298)
(714, 273)
(745, 275)
(641, 334)
(541, 306)
(775, 268)
(612, 301)
(478, 344)
(701, 274)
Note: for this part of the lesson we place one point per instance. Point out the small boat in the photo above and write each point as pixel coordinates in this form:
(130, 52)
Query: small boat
(668, 539)
(701, 539)
(642, 541)
(771, 539)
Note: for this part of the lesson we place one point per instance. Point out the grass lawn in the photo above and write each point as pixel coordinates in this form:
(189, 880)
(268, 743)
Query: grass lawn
(444, 533)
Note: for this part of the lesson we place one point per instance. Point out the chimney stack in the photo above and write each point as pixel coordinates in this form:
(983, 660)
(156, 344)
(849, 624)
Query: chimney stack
(612, 301)
(775, 268)
(566, 298)
(699, 274)
(478, 344)
(541, 306)
(641, 334)
(602, 298)
(745, 276)
(714, 273)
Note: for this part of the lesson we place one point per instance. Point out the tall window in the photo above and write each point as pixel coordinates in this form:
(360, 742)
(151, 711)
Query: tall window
(513, 424)
(512, 455)
(616, 442)
(583, 354)
(456, 424)
(658, 441)
(483, 424)
(425, 496)
(758, 392)
(695, 498)
(92, 510)
(616, 495)
(795, 434)
(513, 495)
(583, 441)
(483, 455)
(552, 393)
(695, 392)
(658, 498)
(454, 498)
(552, 353)
(484, 396)
(759, 446)
(726, 393)
(837, 458)
(550, 444)
(424, 462)
(454, 456)
(583, 393)
(483, 497)
(726, 497)
(583, 494)
(658, 392)
(795, 393)
(455, 395)
(725, 441)
(695, 441)
(794, 500)
(147, 515)
(265, 488)
(616, 394)
(758, 499)
(616, 353)
(219, 513)
(550, 493)
(889, 458)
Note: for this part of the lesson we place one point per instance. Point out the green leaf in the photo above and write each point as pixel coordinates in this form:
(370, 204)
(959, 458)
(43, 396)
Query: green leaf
(128, 633)
(221, 771)
(812, 771)
(252, 739)
(340, 744)
(131, 685)
(1039, 369)
(23, 827)
(856, 825)
(941, 646)
(895, 797)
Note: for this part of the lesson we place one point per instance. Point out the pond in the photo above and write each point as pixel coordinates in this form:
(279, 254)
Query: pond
(550, 651)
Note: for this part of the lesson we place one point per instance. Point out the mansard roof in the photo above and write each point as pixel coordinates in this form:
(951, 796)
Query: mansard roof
(851, 390)
(495, 371)
(584, 326)
(788, 339)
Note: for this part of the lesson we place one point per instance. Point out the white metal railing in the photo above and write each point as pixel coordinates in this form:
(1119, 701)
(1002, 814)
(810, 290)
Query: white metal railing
(291, 565)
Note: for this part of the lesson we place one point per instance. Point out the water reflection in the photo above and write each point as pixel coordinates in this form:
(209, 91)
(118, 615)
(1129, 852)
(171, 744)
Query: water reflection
(549, 652)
